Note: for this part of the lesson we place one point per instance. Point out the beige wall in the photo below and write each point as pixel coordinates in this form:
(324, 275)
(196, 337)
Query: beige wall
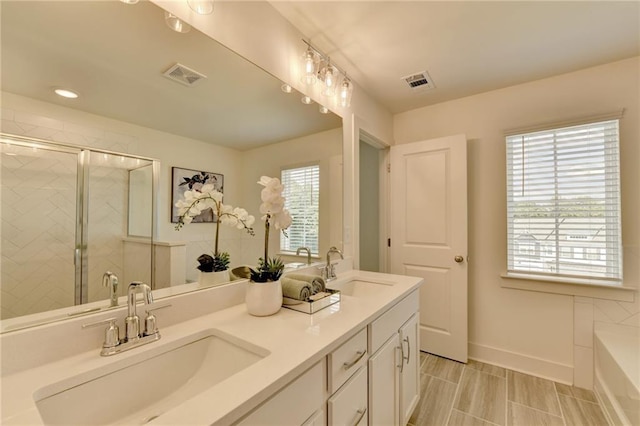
(514, 326)
(325, 149)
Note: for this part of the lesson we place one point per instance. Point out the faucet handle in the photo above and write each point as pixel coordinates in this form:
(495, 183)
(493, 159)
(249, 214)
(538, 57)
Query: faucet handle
(150, 324)
(111, 333)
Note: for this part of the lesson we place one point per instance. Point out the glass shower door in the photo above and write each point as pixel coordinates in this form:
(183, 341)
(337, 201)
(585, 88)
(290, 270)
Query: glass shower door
(38, 231)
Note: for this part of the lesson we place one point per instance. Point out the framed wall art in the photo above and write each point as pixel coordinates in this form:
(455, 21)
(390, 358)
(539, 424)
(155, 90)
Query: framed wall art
(186, 180)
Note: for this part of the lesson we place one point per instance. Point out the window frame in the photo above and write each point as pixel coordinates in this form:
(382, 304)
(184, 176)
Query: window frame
(292, 251)
(610, 288)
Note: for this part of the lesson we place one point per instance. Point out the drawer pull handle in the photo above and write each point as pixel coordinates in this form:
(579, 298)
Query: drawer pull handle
(406, 339)
(362, 413)
(359, 355)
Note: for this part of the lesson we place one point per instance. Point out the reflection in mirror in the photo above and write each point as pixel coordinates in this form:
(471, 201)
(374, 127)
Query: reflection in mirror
(65, 212)
(140, 201)
(236, 122)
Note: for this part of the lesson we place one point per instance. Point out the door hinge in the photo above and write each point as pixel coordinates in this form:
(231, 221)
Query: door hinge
(388, 242)
(389, 168)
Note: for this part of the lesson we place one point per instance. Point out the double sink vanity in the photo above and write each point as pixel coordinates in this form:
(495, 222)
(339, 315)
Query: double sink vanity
(352, 363)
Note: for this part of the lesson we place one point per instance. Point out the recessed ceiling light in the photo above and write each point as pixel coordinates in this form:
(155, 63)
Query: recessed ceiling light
(66, 93)
(286, 88)
(323, 109)
(306, 100)
(129, 1)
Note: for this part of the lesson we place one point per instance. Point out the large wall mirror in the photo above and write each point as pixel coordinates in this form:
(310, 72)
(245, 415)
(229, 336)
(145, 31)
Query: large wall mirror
(230, 118)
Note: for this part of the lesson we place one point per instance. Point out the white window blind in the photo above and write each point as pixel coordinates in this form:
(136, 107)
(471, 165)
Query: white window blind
(563, 202)
(302, 191)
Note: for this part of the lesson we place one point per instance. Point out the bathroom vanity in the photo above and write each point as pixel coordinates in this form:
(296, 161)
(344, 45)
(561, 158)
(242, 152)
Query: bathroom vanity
(354, 362)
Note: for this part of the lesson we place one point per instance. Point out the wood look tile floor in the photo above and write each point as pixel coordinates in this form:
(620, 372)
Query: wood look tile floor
(478, 394)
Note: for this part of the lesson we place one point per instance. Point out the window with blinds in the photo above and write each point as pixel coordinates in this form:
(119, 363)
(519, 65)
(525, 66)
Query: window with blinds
(563, 202)
(302, 191)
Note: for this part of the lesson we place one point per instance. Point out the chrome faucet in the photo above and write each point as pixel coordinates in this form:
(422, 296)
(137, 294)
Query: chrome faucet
(109, 279)
(308, 253)
(132, 321)
(134, 337)
(329, 271)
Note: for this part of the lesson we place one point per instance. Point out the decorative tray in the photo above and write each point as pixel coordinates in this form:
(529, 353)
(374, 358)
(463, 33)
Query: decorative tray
(312, 306)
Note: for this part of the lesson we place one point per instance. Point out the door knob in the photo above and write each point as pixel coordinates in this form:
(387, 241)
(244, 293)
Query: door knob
(458, 259)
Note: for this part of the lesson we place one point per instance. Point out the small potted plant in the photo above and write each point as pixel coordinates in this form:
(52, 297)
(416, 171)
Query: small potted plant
(213, 269)
(264, 294)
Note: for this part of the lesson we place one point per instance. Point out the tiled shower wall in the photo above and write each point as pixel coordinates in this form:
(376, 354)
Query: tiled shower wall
(34, 279)
(587, 313)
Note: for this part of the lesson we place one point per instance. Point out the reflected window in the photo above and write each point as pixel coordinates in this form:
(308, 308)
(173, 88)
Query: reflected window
(302, 192)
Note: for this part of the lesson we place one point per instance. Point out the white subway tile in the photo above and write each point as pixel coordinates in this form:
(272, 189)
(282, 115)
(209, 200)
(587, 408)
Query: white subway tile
(583, 367)
(583, 324)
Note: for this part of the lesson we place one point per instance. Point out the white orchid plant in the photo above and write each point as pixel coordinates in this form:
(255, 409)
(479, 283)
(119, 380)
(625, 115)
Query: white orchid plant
(206, 197)
(274, 214)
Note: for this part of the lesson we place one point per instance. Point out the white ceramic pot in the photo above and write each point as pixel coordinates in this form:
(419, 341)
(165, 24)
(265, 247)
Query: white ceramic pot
(263, 299)
(210, 279)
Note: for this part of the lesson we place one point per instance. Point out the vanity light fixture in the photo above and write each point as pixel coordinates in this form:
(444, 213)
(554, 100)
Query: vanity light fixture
(346, 89)
(175, 23)
(309, 61)
(286, 88)
(65, 93)
(306, 100)
(328, 73)
(201, 7)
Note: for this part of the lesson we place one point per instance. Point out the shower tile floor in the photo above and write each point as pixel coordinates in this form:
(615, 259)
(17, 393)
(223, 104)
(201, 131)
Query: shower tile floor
(456, 394)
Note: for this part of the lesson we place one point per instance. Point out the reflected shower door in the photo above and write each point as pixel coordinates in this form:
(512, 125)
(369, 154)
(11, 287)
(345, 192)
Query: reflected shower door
(38, 232)
(109, 248)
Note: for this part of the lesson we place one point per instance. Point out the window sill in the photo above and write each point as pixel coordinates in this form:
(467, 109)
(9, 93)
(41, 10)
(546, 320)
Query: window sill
(567, 286)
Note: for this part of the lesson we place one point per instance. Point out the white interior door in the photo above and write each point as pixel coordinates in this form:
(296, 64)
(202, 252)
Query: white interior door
(429, 236)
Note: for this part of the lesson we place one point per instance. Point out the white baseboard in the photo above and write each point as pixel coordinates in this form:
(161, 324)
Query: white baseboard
(539, 367)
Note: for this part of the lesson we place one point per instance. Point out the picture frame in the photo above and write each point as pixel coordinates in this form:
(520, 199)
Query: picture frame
(188, 179)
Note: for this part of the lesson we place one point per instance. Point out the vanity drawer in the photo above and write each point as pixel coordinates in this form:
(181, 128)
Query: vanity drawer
(346, 360)
(298, 402)
(391, 321)
(348, 406)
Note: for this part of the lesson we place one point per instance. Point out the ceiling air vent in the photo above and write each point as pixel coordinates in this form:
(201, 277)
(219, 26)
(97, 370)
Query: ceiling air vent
(419, 81)
(184, 75)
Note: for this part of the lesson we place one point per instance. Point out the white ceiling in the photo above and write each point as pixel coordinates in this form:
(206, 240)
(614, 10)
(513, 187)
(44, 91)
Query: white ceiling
(114, 54)
(467, 47)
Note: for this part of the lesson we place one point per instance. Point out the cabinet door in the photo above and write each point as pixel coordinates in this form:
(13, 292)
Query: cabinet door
(410, 371)
(384, 384)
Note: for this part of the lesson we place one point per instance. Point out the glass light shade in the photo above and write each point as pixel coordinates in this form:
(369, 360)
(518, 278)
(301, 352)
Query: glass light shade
(201, 7)
(175, 23)
(329, 75)
(306, 100)
(346, 89)
(309, 67)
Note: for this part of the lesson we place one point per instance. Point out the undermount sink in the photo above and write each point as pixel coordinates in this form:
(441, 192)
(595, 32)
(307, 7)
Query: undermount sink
(138, 389)
(358, 287)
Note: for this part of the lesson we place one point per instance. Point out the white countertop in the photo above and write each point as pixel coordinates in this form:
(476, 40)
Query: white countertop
(295, 340)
